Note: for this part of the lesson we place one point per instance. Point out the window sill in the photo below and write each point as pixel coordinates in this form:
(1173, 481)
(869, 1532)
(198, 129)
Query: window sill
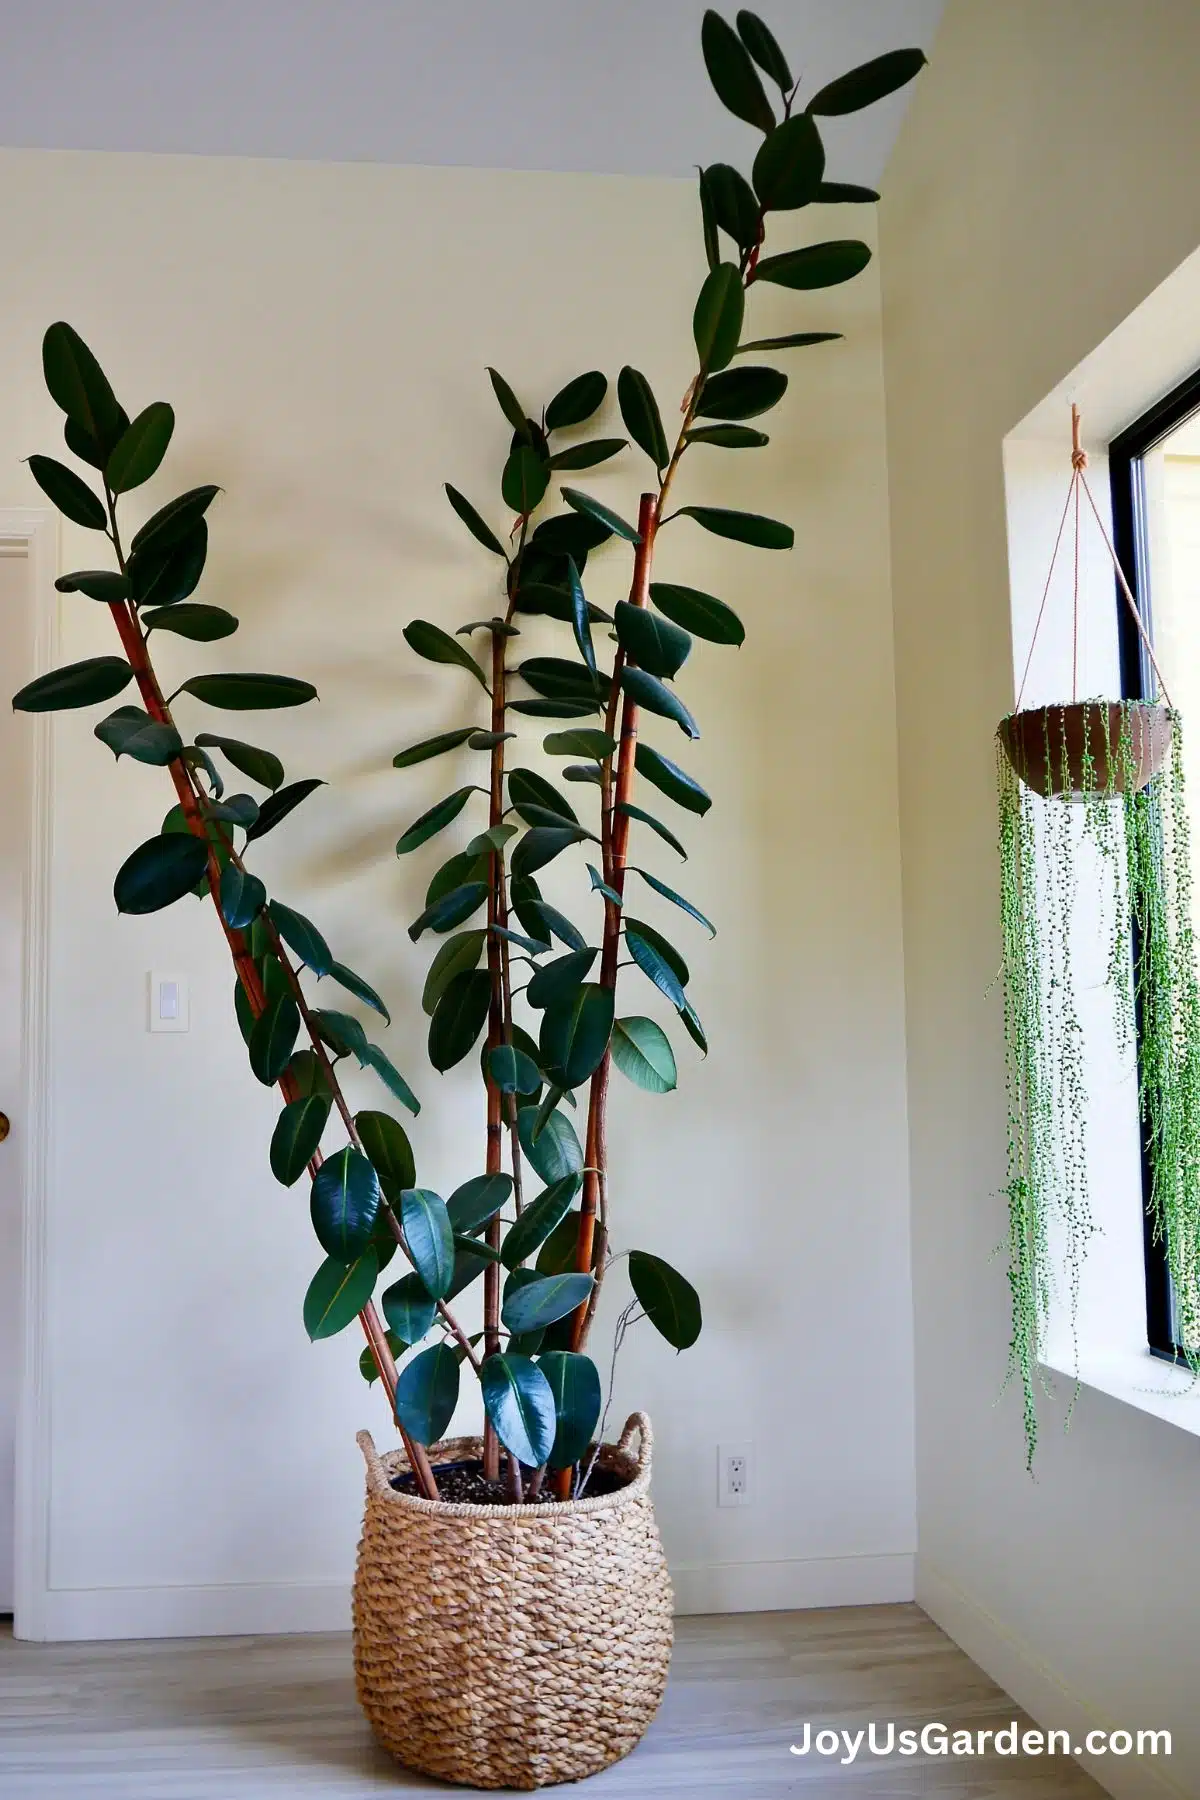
(1140, 1380)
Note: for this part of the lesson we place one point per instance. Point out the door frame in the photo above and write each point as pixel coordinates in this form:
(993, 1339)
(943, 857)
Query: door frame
(34, 532)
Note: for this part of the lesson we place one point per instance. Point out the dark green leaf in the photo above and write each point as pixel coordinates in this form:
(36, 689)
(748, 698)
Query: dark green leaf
(258, 765)
(557, 602)
(408, 1308)
(542, 844)
(732, 73)
(458, 955)
(434, 746)
(520, 1404)
(708, 222)
(583, 772)
(653, 644)
(700, 613)
(741, 393)
(843, 193)
(338, 1292)
(430, 1238)
(342, 1032)
(577, 401)
(69, 492)
(557, 1151)
(568, 534)
(538, 1220)
(729, 437)
(203, 624)
(308, 1074)
(475, 1247)
(510, 406)
(789, 165)
(477, 1201)
(277, 807)
(160, 871)
(526, 789)
(671, 1303)
(249, 693)
(531, 946)
(140, 448)
(362, 990)
(131, 732)
(160, 577)
(743, 528)
(761, 44)
(466, 866)
(646, 948)
(391, 1078)
(385, 1143)
(642, 1052)
(734, 204)
(660, 887)
(479, 530)
(271, 1044)
(533, 1304)
(554, 709)
(575, 1033)
(512, 1071)
(558, 678)
(643, 421)
(108, 585)
(600, 886)
(468, 1267)
(717, 320)
(79, 386)
(581, 618)
(539, 918)
(242, 896)
(436, 645)
(816, 266)
(427, 1393)
(345, 1204)
(458, 1018)
(302, 936)
(557, 1255)
(603, 515)
(795, 340)
(450, 909)
(487, 740)
(649, 934)
(575, 1383)
(668, 837)
(556, 981)
(434, 820)
(243, 1012)
(586, 456)
(671, 780)
(239, 809)
(871, 81)
(174, 522)
(525, 480)
(583, 742)
(297, 1136)
(368, 1368)
(649, 692)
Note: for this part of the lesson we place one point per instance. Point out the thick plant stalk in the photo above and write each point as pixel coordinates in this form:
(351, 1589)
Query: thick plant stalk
(495, 1037)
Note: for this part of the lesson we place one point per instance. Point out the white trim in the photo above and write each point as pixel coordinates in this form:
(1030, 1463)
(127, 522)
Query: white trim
(794, 1584)
(37, 529)
(1038, 1688)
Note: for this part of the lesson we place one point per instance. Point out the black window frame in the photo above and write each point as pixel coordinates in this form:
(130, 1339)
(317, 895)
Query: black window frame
(1130, 540)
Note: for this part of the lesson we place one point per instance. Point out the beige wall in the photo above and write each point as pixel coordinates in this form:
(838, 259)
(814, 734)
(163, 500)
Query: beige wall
(1043, 184)
(323, 332)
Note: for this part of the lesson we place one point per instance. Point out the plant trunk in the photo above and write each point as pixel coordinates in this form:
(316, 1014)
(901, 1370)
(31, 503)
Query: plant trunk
(495, 1037)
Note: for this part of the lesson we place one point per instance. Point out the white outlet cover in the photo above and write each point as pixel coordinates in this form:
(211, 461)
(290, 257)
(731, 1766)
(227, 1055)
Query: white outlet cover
(168, 1003)
(731, 1491)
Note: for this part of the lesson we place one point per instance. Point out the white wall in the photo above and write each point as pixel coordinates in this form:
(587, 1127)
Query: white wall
(322, 332)
(1042, 186)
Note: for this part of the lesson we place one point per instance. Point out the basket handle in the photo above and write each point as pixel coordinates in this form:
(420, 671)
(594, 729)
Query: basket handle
(638, 1422)
(377, 1479)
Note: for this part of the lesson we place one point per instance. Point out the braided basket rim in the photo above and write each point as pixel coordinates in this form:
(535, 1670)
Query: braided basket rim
(380, 1468)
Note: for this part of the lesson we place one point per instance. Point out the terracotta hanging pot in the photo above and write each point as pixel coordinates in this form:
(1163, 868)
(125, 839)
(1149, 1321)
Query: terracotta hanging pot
(1049, 746)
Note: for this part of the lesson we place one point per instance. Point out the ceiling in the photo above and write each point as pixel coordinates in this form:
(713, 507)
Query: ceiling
(606, 86)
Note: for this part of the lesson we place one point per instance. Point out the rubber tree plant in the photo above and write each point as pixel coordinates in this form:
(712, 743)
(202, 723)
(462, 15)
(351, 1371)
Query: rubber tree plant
(541, 993)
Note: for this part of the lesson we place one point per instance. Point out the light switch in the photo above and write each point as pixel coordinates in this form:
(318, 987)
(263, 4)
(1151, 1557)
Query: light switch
(168, 1001)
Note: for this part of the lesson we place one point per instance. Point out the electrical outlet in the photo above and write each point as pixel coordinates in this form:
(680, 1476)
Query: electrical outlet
(735, 1474)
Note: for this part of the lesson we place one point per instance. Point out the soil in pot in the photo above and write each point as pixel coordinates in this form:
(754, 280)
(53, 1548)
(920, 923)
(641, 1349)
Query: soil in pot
(464, 1484)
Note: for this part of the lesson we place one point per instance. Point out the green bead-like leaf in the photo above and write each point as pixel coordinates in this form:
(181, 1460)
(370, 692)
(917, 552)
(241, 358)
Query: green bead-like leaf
(202, 624)
(532, 1304)
(271, 1044)
(670, 1302)
(243, 896)
(717, 320)
(653, 644)
(436, 645)
(80, 387)
(698, 612)
(603, 515)
(430, 1238)
(761, 44)
(816, 266)
(741, 393)
(660, 887)
(131, 732)
(790, 165)
(159, 872)
(732, 73)
(434, 820)
(427, 1393)
(258, 765)
(650, 693)
(538, 1220)
(575, 1383)
(338, 1292)
(575, 1033)
(458, 1018)
(140, 448)
(408, 1308)
(647, 949)
(577, 401)
(520, 1404)
(69, 493)
(75, 684)
(479, 529)
(870, 82)
(671, 780)
(642, 1051)
(297, 1136)
(386, 1146)
(345, 1204)
(302, 936)
(645, 818)
(249, 693)
(743, 528)
(643, 421)
(434, 746)
(556, 1151)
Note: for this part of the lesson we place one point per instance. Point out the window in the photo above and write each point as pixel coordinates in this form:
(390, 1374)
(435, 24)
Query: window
(1155, 472)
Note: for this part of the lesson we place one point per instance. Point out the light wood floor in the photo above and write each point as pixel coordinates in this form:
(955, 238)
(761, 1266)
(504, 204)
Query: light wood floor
(246, 1718)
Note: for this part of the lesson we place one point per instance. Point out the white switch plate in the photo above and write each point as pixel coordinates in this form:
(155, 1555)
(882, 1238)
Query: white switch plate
(735, 1474)
(168, 1002)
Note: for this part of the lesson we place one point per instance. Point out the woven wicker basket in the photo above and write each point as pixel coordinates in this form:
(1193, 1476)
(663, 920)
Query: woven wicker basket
(511, 1646)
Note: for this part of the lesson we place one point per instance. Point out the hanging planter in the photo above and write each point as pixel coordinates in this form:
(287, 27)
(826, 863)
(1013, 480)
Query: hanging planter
(1099, 780)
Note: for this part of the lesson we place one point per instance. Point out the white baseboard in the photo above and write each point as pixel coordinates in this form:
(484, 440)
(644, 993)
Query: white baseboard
(793, 1585)
(1039, 1689)
(69, 1615)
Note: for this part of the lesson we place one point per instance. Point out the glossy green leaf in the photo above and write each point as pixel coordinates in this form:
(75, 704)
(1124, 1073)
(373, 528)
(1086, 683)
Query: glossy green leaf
(541, 918)
(650, 693)
(554, 709)
(276, 808)
(427, 1393)
(556, 1151)
(555, 981)
(575, 1033)
(367, 1366)
(816, 266)
(761, 44)
(243, 1012)
(386, 1146)
(643, 421)
(577, 401)
(795, 340)
(660, 887)
(434, 746)
(249, 693)
(566, 534)
(243, 896)
(258, 765)
(558, 602)
(307, 1073)
(159, 872)
(430, 1238)
(734, 205)
(477, 1201)
(586, 456)
(732, 73)
(68, 492)
(538, 1220)
(107, 585)
(557, 1255)
(338, 1292)
(743, 528)
(790, 165)
(434, 820)
(600, 886)
(525, 480)
(159, 576)
(458, 955)
(542, 844)
(302, 936)
(271, 1044)
(132, 732)
(458, 1018)
(341, 1031)
(646, 948)
(467, 866)
(436, 645)
(239, 809)
(561, 678)
(202, 624)
(510, 406)
(79, 386)
(642, 1051)
(575, 1383)
(708, 222)
(512, 1071)
(845, 193)
(75, 684)
(450, 909)
(670, 1302)
(533, 1304)
(581, 618)
(531, 946)
(362, 990)
(520, 1404)
(717, 319)
(382, 1065)
(527, 789)
(870, 82)
(172, 523)
(408, 1308)
(603, 515)
(698, 612)
(479, 529)
(297, 1136)
(741, 393)
(582, 742)
(140, 448)
(484, 843)
(651, 642)
(671, 780)
(656, 825)
(729, 437)
(345, 1204)
(651, 935)
(583, 772)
